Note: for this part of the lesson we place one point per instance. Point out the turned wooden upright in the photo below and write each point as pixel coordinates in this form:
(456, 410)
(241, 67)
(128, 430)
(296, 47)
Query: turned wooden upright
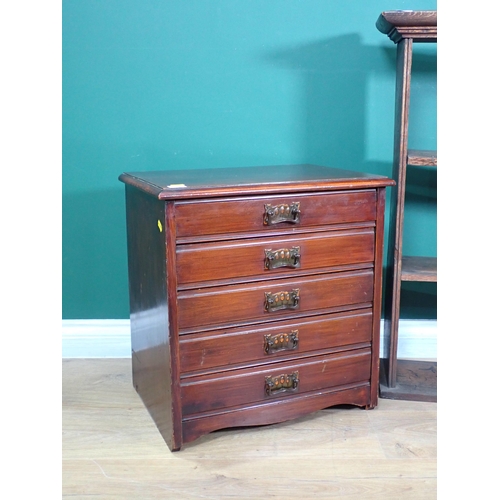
(404, 379)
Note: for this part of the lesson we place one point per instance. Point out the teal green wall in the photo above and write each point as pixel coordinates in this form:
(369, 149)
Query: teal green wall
(176, 84)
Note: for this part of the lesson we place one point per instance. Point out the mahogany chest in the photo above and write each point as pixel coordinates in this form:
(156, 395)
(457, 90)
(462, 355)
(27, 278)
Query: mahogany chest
(254, 293)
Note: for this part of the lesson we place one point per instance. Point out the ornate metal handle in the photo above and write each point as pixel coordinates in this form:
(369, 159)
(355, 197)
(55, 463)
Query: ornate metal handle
(281, 383)
(282, 213)
(281, 342)
(282, 300)
(284, 257)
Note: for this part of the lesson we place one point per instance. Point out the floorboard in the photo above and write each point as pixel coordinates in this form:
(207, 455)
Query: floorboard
(112, 449)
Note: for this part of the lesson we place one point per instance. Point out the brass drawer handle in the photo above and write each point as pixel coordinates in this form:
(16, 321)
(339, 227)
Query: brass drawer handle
(282, 383)
(281, 342)
(282, 213)
(282, 300)
(284, 257)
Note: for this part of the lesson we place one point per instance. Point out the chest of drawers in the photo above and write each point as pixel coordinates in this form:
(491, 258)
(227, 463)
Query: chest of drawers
(254, 293)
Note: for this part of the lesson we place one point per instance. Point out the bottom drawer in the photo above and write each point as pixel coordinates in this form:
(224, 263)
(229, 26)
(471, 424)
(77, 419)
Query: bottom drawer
(281, 380)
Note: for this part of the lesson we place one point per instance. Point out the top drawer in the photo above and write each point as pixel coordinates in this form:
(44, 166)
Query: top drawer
(268, 213)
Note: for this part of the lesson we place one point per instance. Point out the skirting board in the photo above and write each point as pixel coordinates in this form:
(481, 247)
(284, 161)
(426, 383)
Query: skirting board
(110, 338)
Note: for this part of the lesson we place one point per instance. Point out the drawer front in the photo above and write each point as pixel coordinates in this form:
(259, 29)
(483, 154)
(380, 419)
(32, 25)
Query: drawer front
(268, 256)
(262, 344)
(227, 305)
(267, 213)
(281, 380)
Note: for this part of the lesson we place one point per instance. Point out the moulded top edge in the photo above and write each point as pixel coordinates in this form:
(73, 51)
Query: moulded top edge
(403, 20)
(190, 183)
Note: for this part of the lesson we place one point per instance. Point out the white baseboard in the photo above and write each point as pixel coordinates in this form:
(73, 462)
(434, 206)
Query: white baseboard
(96, 338)
(110, 338)
(417, 339)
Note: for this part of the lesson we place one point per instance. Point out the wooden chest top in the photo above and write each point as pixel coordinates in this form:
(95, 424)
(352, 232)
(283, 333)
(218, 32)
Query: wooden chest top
(203, 183)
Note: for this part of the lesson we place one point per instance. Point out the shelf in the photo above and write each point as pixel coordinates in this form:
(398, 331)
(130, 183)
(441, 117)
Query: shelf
(422, 158)
(419, 269)
(419, 25)
(416, 380)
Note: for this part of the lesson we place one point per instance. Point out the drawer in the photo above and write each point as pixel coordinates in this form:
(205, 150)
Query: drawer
(263, 344)
(281, 380)
(268, 213)
(228, 305)
(273, 256)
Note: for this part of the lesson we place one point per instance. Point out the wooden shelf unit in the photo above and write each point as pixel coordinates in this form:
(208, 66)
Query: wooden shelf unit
(405, 379)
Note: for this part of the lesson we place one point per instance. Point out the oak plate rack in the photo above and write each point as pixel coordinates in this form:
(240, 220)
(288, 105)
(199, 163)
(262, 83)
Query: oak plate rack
(401, 378)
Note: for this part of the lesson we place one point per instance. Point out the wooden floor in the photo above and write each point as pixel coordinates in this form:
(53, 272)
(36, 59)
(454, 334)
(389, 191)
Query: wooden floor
(111, 449)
